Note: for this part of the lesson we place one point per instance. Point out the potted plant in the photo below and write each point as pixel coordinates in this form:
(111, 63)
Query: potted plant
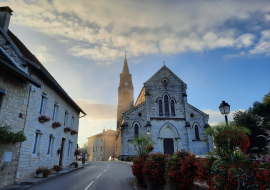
(56, 124)
(57, 168)
(67, 129)
(44, 118)
(46, 172)
(75, 164)
(73, 132)
(39, 172)
(77, 152)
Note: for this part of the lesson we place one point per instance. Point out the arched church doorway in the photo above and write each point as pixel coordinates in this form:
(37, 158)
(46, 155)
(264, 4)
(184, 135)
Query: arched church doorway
(168, 146)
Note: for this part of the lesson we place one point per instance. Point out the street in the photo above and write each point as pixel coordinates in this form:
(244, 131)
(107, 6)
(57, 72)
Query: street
(101, 175)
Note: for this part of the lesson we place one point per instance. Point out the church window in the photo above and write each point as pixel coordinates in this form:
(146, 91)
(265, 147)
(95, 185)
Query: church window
(166, 105)
(172, 108)
(197, 132)
(160, 108)
(136, 130)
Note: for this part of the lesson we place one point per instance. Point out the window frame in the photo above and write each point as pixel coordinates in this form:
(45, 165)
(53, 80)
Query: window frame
(72, 122)
(172, 108)
(160, 107)
(55, 111)
(50, 145)
(37, 142)
(197, 134)
(166, 105)
(43, 104)
(66, 118)
(69, 148)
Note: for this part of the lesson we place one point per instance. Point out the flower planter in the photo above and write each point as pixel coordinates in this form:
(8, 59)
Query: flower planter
(74, 133)
(40, 175)
(56, 124)
(42, 121)
(44, 118)
(67, 129)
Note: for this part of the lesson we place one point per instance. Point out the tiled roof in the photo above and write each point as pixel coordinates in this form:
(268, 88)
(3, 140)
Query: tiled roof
(29, 57)
(108, 132)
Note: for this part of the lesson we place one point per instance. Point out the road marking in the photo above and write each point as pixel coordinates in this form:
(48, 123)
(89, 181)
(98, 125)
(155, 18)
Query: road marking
(89, 185)
(105, 170)
(99, 175)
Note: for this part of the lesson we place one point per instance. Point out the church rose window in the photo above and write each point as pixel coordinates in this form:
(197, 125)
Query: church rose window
(166, 105)
(136, 130)
(197, 132)
(160, 108)
(172, 108)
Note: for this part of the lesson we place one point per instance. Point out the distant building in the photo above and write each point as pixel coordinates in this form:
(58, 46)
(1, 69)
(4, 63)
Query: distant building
(163, 110)
(101, 146)
(28, 90)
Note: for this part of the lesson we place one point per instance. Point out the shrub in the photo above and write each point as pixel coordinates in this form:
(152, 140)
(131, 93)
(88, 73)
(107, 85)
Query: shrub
(57, 168)
(154, 170)
(137, 168)
(181, 170)
(140, 145)
(204, 175)
(75, 164)
(8, 136)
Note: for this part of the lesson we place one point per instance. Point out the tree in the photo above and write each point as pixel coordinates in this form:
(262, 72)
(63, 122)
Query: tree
(141, 143)
(257, 120)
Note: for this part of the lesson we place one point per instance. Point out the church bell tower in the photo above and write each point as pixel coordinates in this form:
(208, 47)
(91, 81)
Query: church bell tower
(125, 92)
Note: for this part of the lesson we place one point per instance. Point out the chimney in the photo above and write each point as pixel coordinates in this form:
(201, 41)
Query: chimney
(5, 13)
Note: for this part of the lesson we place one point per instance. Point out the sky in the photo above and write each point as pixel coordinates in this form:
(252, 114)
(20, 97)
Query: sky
(219, 48)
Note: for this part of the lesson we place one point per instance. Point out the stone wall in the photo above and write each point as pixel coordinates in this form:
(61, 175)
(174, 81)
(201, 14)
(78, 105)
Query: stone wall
(14, 102)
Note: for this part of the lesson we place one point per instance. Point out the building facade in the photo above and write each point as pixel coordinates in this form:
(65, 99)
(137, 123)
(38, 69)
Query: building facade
(162, 110)
(27, 91)
(101, 147)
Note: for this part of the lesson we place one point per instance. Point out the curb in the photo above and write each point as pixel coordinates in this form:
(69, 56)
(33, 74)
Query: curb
(26, 185)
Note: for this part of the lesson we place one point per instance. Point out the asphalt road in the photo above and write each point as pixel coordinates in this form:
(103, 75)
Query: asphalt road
(99, 176)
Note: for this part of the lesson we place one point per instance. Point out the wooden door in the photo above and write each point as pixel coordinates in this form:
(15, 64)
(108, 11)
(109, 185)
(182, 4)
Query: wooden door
(62, 152)
(168, 146)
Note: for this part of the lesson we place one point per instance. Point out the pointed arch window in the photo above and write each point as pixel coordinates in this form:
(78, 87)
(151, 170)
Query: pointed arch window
(166, 105)
(136, 130)
(172, 108)
(197, 132)
(160, 108)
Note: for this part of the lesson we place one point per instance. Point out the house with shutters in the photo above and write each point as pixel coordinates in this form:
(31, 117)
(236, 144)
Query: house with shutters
(162, 112)
(27, 91)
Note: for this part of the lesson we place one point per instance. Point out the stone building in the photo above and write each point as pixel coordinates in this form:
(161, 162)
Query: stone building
(27, 90)
(162, 110)
(101, 146)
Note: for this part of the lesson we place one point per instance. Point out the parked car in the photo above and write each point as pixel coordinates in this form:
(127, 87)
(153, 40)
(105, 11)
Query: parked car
(80, 157)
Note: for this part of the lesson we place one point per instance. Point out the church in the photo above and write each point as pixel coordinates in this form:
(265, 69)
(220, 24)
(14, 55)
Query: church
(162, 112)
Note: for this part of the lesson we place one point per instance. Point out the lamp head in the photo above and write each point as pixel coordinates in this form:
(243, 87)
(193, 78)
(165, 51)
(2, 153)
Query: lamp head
(224, 108)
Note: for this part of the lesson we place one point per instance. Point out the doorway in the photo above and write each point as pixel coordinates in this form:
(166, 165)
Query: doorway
(62, 152)
(168, 146)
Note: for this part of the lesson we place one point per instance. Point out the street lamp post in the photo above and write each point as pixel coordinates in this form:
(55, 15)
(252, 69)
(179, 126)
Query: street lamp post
(225, 110)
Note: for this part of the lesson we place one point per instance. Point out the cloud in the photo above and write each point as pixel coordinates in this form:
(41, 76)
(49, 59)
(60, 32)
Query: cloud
(230, 56)
(216, 117)
(102, 30)
(40, 53)
(263, 46)
(97, 111)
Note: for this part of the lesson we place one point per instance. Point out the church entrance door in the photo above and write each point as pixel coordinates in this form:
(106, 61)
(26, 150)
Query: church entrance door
(168, 146)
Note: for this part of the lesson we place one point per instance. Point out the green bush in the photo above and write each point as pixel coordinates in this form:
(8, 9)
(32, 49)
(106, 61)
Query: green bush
(8, 136)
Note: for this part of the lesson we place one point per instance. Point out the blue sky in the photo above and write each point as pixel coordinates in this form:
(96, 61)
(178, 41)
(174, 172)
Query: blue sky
(220, 49)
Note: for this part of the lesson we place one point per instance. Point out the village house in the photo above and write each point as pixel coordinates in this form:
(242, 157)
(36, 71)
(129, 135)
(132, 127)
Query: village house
(27, 91)
(101, 146)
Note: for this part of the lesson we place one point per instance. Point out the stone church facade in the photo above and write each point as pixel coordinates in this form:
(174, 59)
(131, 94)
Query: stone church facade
(162, 110)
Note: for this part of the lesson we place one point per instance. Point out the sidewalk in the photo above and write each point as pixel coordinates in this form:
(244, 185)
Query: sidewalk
(30, 182)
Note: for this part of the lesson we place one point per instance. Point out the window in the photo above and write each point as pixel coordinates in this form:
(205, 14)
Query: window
(43, 103)
(69, 148)
(55, 111)
(136, 129)
(96, 148)
(197, 132)
(66, 117)
(160, 108)
(101, 148)
(49, 152)
(93, 149)
(72, 122)
(166, 105)
(172, 108)
(2, 94)
(36, 142)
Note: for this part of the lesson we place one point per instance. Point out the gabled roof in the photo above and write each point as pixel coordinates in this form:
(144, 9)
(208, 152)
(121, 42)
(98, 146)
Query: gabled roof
(104, 133)
(6, 63)
(134, 108)
(165, 68)
(196, 109)
(26, 55)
